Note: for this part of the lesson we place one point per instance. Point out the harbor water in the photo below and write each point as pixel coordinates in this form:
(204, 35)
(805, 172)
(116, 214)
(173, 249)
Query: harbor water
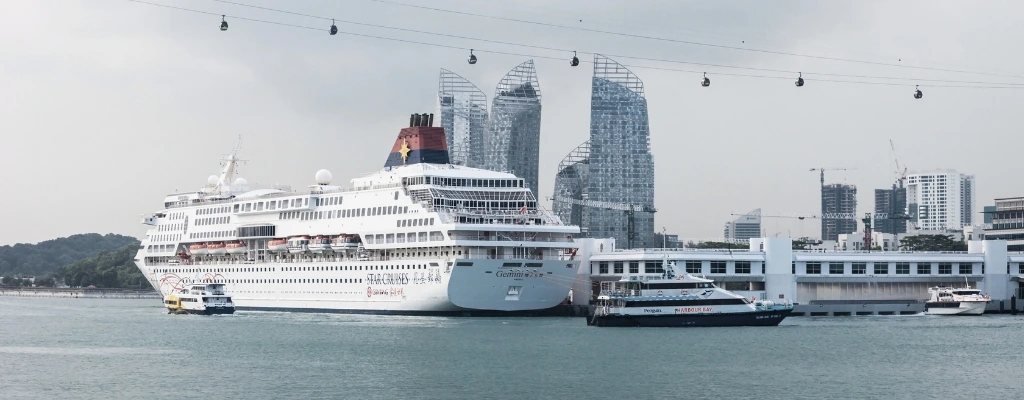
(131, 349)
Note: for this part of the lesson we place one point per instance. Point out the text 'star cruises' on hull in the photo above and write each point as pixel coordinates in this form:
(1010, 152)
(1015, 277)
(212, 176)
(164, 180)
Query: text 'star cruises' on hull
(420, 236)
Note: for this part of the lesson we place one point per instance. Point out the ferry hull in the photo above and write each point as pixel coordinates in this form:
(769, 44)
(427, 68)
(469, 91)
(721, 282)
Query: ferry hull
(213, 311)
(754, 318)
(955, 308)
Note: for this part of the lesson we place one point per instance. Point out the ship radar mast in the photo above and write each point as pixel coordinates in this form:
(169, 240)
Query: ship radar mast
(227, 183)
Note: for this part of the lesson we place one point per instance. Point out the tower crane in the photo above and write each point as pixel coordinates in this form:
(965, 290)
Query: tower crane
(822, 170)
(628, 209)
(901, 174)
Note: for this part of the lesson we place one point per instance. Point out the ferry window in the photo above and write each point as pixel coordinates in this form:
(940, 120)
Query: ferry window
(924, 268)
(618, 267)
(718, 267)
(422, 236)
(305, 201)
(881, 268)
(835, 268)
(405, 210)
(431, 221)
(693, 267)
(945, 268)
(259, 206)
(813, 268)
(742, 267)
(902, 268)
(248, 206)
(653, 267)
(859, 268)
(236, 208)
(634, 267)
(965, 269)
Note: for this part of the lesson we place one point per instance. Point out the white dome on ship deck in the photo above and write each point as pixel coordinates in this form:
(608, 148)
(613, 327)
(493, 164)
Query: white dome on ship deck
(240, 182)
(212, 180)
(323, 177)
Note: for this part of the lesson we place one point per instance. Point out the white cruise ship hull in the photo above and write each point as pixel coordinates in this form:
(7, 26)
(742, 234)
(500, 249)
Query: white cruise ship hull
(955, 308)
(410, 287)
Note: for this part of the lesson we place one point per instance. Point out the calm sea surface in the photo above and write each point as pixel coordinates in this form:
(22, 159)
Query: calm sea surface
(132, 349)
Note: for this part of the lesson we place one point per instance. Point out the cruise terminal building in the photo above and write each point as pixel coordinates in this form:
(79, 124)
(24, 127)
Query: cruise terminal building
(820, 283)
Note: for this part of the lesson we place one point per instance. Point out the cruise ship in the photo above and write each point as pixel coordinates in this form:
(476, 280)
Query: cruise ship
(419, 237)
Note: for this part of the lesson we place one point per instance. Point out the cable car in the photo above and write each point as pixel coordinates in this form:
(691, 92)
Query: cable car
(800, 79)
(223, 24)
(334, 29)
(472, 58)
(917, 93)
(575, 61)
(706, 82)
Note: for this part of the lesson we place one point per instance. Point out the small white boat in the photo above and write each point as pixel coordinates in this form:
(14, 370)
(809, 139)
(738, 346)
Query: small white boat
(216, 249)
(200, 298)
(298, 244)
(345, 242)
(320, 244)
(956, 301)
(198, 249)
(236, 248)
(277, 245)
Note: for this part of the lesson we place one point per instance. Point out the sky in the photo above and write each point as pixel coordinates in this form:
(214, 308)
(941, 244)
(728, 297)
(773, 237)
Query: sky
(106, 106)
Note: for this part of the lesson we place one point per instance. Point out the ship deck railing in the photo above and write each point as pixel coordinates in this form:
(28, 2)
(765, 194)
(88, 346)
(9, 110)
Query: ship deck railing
(301, 260)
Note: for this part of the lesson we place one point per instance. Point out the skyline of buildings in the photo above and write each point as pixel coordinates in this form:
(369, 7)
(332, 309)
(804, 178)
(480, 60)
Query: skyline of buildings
(941, 199)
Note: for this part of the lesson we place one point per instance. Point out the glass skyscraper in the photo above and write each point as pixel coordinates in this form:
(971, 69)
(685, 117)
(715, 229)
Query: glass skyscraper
(463, 111)
(512, 139)
(618, 165)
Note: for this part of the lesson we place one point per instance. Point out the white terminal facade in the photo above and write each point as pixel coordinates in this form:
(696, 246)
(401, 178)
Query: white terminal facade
(820, 283)
(941, 199)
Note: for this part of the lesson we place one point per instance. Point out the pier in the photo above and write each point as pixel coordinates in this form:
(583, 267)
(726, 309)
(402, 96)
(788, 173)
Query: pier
(80, 293)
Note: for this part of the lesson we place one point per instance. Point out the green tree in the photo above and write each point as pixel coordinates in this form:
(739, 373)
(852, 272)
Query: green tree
(47, 256)
(720, 245)
(932, 243)
(108, 269)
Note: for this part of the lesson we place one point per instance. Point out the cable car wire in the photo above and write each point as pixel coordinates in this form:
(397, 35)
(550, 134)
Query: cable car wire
(993, 85)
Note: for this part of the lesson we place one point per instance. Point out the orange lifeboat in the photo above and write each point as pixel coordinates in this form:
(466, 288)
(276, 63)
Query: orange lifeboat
(216, 249)
(198, 249)
(236, 248)
(277, 245)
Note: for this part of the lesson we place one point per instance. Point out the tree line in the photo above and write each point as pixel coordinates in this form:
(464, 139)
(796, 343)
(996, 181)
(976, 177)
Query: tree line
(45, 257)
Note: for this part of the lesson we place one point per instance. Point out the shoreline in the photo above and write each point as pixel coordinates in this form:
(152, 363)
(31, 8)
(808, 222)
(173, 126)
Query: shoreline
(80, 293)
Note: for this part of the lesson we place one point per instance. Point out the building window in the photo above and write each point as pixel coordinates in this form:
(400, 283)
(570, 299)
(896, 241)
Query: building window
(902, 268)
(945, 269)
(618, 267)
(924, 268)
(693, 267)
(602, 268)
(653, 267)
(814, 268)
(859, 268)
(742, 267)
(718, 267)
(881, 269)
(965, 269)
(634, 267)
(835, 268)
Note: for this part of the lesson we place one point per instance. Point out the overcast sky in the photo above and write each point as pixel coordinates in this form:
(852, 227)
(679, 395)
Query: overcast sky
(108, 105)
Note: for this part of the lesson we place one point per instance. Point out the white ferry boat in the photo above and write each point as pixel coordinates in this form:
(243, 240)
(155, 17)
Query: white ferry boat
(420, 236)
(200, 298)
(955, 301)
(684, 300)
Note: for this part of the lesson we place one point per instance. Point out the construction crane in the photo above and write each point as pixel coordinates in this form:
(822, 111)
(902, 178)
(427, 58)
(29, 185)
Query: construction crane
(822, 170)
(901, 174)
(628, 209)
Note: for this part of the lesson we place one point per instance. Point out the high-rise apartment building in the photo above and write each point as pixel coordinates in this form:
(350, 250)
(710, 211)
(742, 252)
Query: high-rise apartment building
(891, 203)
(941, 200)
(838, 199)
(512, 139)
(463, 112)
(1007, 218)
(571, 184)
(747, 226)
(621, 165)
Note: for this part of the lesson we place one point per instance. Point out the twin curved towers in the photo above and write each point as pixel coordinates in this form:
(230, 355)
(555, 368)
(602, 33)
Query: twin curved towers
(508, 139)
(614, 166)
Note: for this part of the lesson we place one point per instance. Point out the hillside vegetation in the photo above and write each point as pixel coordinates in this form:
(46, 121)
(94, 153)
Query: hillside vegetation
(108, 269)
(46, 257)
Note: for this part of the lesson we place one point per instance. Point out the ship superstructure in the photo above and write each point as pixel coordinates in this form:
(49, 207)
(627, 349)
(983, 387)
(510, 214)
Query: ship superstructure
(419, 236)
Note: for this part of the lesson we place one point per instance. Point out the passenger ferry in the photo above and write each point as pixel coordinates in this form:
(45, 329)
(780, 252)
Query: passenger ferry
(199, 298)
(420, 236)
(959, 301)
(684, 300)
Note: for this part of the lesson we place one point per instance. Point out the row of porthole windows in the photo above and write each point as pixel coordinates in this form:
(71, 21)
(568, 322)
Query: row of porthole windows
(165, 238)
(212, 210)
(169, 227)
(211, 221)
(346, 213)
(211, 235)
(402, 223)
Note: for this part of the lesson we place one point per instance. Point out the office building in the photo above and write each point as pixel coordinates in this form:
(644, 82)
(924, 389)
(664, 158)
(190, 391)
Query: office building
(747, 226)
(1008, 223)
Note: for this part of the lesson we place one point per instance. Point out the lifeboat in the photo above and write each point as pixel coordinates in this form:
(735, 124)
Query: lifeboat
(320, 244)
(236, 248)
(198, 249)
(216, 249)
(298, 244)
(277, 245)
(345, 242)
